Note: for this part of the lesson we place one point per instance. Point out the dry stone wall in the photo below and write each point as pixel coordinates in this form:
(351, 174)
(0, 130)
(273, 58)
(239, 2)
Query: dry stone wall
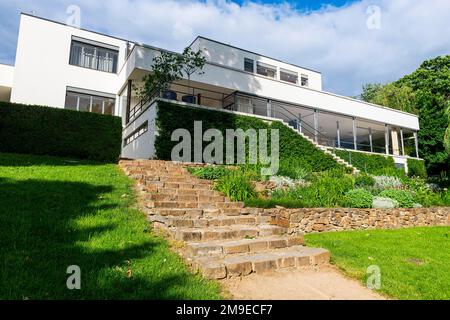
(308, 220)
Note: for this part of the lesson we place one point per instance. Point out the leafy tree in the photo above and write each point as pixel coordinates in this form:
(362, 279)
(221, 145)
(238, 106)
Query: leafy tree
(370, 90)
(167, 68)
(425, 92)
(192, 62)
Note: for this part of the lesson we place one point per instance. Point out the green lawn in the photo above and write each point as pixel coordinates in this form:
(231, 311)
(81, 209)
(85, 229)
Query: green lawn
(414, 262)
(55, 213)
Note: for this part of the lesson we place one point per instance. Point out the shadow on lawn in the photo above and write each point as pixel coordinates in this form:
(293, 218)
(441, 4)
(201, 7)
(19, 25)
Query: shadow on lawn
(10, 160)
(39, 240)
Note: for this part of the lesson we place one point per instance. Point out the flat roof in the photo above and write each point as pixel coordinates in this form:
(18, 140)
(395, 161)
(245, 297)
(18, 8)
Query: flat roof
(135, 42)
(252, 52)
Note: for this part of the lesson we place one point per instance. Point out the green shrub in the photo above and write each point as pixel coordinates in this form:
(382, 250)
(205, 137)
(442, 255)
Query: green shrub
(59, 132)
(295, 151)
(358, 198)
(422, 192)
(272, 203)
(209, 172)
(236, 185)
(416, 168)
(445, 198)
(404, 198)
(325, 191)
(369, 163)
(390, 172)
(364, 180)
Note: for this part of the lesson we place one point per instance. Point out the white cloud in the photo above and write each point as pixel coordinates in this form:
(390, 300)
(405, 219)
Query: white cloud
(333, 40)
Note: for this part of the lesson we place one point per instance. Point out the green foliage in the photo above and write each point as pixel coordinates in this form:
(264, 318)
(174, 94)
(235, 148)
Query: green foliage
(368, 163)
(422, 192)
(404, 198)
(429, 98)
(209, 172)
(364, 180)
(370, 91)
(236, 185)
(358, 198)
(416, 168)
(400, 97)
(295, 151)
(326, 190)
(272, 203)
(60, 132)
(167, 68)
(445, 198)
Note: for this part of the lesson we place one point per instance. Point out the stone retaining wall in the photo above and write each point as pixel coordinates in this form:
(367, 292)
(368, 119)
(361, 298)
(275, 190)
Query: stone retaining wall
(308, 220)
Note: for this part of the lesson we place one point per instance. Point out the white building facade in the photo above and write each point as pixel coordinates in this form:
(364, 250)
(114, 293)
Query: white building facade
(65, 67)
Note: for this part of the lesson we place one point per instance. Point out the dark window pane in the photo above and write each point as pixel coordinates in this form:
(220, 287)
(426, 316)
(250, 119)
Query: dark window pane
(248, 65)
(85, 103)
(97, 105)
(109, 107)
(71, 101)
(304, 80)
(266, 70)
(289, 76)
(92, 57)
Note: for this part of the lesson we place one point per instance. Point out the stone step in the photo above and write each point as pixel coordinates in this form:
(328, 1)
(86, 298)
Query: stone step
(229, 206)
(224, 233)
(219, 221)
(188, 192)
(219, 247)
(238, 265)
(185, 197)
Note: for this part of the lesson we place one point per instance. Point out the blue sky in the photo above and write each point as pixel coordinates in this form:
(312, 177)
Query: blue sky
(350, 42)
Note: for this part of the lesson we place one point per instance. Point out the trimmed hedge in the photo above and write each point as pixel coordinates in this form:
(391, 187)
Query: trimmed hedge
(370, 163)
(294, 150)
(58, 132)
(416, 168)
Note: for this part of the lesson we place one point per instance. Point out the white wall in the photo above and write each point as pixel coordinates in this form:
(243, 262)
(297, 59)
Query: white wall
(6, 75)
(234, 58)
(42, 70)
(233, 79)
(6, 81)
(144, 146)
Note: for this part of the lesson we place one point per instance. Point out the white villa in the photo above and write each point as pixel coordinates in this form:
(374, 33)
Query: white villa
(65, 67)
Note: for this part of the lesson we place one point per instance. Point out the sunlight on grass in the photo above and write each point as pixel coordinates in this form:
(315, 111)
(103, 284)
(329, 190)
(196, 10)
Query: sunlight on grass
(58, 212)
(414, 262)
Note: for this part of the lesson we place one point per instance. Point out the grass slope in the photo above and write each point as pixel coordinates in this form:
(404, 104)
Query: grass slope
(56, 213)
(414, 262)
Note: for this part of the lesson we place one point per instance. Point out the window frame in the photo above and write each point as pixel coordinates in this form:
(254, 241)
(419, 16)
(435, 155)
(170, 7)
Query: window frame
(304, 77)
(248, 60)
(97, 48)
(289, 72)
(266, 66)
(91, 97)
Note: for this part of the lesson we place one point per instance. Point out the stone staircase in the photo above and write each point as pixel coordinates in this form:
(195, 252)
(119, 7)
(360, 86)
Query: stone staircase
(325, 150)
(220, 238)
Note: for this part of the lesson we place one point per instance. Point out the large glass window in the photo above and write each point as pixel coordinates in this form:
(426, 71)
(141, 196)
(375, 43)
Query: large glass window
(289, 76)
(409, 142)
(93, 57)
(266, 70)
(89, 103)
